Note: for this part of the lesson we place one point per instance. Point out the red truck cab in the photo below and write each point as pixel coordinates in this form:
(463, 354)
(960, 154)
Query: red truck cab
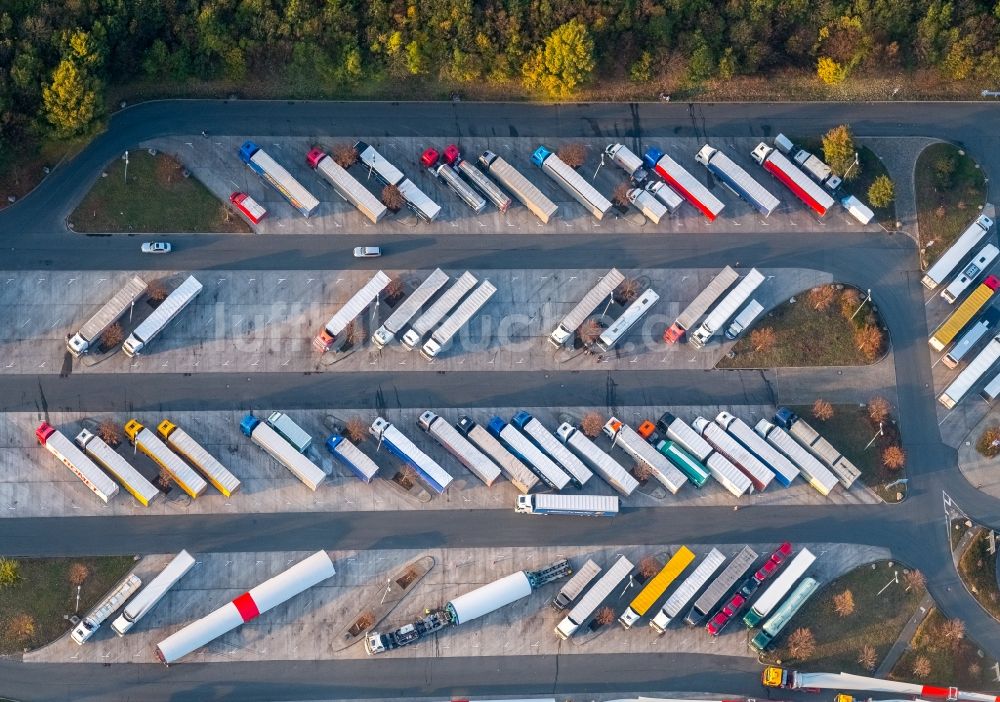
(314, 156)
(250, 208)
(429, 158)
(451, 155)
(673, 333)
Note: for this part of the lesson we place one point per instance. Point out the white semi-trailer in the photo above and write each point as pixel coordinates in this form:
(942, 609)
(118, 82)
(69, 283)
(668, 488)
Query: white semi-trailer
(351, 309)
(575, 585)
(347, 185)
(720, 467)
(738, 180)
(847, 473)
(459, 447)
(571, 505)
(547, 442)
(436, 312)
(523, 189)
(457, 319)
(594, 597)
(409, 307)
(747, 463)
(150, 595)
(283, 452)
(183, 444)
(699, 306)
(687, 590)
(718, 317)
(176, 301)
(638, 448)
(815, 473)
(513, 469)
(647, 204)
(112, 462)
(436, 477)
(386, 173)
(546, 469)
(583, 309)
(352, 457)
(110, 312)
(108, 606)
(954, 255)
(785, 472)
(604, 465)
(572, 182)
(59, 445)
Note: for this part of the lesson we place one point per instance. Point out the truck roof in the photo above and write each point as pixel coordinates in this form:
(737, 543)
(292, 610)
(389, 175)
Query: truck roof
(583, 309)
(707, 297)
(113, 308)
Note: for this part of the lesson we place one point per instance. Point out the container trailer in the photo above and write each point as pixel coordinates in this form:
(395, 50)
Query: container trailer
(605, 286)
(408, 308)
(963, 314)
(112, 310)
(278, 178)
(155, 323)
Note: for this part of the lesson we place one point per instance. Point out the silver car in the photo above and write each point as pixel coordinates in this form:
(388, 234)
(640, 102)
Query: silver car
(367, 251)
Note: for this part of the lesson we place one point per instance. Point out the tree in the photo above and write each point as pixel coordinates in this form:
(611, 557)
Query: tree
(641, 71)
(588, 332)
(921, 667)
(882, 191)
(627, 291)
(22, 627)
(354, 334)
(878, 409)
(393, 198)
(112, 336)
(156, 291)
(822, 297)
(345, 155)
(850, 301)
(70, 100)
(642, 472)
(801, 644)
(867, 658)
(619, 195)
(944, 171)
(869, 341)
(78, 573)
(109, 432)
(163, 479)
(843, 604)
(830, 71)
(839, 152)
(564, 61)
(952, 631)
(605, 615)
(592, 424)
(648, 567)
(356, 430)
(914, 579)
(822, 410)
(573, 155)
(894, 458)
(763, 340)
(10, 572)
(989, 441)
(395, 288)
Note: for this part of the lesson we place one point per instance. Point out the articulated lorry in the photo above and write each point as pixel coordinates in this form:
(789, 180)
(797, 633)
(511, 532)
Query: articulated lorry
(656, 586)
(522, 447)
(604, 465)
(785, 472)
(804, 188)
(248, 207)
(723, 584)
(982, 260)
(180, 472)
(469, 607)
(780, 587)
(513, 469)
(735, 452)
(634, 445)
(650, 207)
(695, 470)
(954, 255)
(459, 447)
(112, 462)
(699, 306)
(176, 301)
(108, 606)
(264, 435)
(575, 585)
(450, 177)
(150, 595)
(59, 445)
(572, 182)
(273, 173)
(815, 473)
(681, 180)
(352, 308)
(724, 472)
(963, 314)
(718, 317)
(788, 609)
(347, 186)
(737, 180)
(583, 309)
(290, 431)
(686, 591)
(387, 174)
(433, 475)
(972, 373)
(547, 442)
(493, 192)
(568, 505)
(628, 319)
(594, 597)
(209, 466)
(352, 458)
(971, 337)
(794, 680)
(841, 466)
(623, 157)
(523, 189)
(112, 310)
(409, 307)
(457, 319)
(436, 312)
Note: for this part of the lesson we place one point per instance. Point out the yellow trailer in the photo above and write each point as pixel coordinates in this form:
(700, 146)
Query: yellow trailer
(947, 332)
(655, 588)
(182, 443)
(181, 473)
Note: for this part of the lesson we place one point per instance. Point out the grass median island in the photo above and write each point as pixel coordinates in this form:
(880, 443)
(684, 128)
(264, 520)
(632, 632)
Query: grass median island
(812, 332)
(33, 609)
(156, 198)
(950, 189)
(978, 569)
(876, 620)
(940, 653)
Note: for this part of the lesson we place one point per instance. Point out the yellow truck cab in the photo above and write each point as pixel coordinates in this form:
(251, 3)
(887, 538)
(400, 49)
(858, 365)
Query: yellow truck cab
(772, 676)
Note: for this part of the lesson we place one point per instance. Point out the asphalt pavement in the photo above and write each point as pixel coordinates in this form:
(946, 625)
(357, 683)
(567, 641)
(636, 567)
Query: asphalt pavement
(915, 531)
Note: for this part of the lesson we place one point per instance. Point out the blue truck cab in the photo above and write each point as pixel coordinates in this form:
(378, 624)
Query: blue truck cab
(248, 424)
(652, 157)
(539, 156)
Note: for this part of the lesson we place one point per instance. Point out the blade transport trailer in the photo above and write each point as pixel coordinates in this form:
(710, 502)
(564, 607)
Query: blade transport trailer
(583, 309)
(408, 308)
(513, 469)
(110, 312)
(572, 182)
(459, 447)
(435, 477)
(347, 185)
(681, 180)
(699, 306)
(352, 308)
(436, 312)
(687, 590)
(604, 465)
(280, 179)
(150, 595)
(112, 462)
(737, 180)
(655, 588)
(522, 188)
(283, 452)
(176, 301)
(73, 458)
(794, 680)
(593, 598)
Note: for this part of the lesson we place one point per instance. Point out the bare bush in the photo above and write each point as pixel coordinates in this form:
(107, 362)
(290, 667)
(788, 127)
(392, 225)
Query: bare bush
(822, 298)
(592, 424)
(589, 332)
(627, 291)
(573, 155)
(605, 615)
(763, 340)
(619, 195)
(988, 443)
(952, 632)
(850, 301)
(894, 458)
(648, 567)
(801, 644)
(78, 574)
(878, 409)
(113, 336)
(393, 198)
(356, 430)
(921, 667)
(344, 154)
(822, 410)
(869, 339)
(157, 291)
(642, 472)
(914, 580)
(867, 658)
(395, 288)
(109, 432)
(366, 620)
(22, 627)
(354, 334)
(843, 604)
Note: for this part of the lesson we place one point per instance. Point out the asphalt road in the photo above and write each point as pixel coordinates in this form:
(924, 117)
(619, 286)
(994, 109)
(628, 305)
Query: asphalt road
(915, 531)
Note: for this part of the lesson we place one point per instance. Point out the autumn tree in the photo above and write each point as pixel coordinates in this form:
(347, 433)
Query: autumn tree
(839, 152)
(914, 579)
(344, 155)
(589, 332)
(573, 154)
(393, 198)
(112, 336)
(156, 291)
(952, 631)
(10, 572)
(648, 567)
(22, 627)
(801, 644)
(850, 301)
(830, 71)
(763, 340)
(356, 430)
(822, 410)
(592, 424)
(71, 100)
(867, 658)
(878, 409)
(78, 573)
(563, 62)
(605, 615)
(620, 194)
(642, 472)
(921, 667)
(869, 341)
(822, 297)
(882, 191)
(894, 458)
(395, 288)
(843, 604)
(628, 291)
(988, 443)
(109, 432)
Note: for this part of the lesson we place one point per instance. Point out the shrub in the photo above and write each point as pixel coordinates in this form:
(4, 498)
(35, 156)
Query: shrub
(878, 409)
(592, 424)
(573, 155)
(109, 432)
(867, 658)
(921, 667)
(628, 291)
(989, 442)
(648, 567)
(843, 604)
(588, 332)
(763, 340)
(345, 155)
(882, 191)
(157, 291)
(952, 631)
(894, 458)
(822, 298)
(605, 615)
(356, 430)
(642, 472)
(620, 194)
(395, 288)
(850, 301)
(822, 410)
(78, 573)
(113, 336)
(22, 627)
(393, 198)
(801, 644)
(10, 572)
(914, 580)
(869, 341)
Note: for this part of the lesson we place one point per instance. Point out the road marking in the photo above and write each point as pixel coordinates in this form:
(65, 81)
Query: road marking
(71, 281)
(28, 320)
(42, 364)
(946, 417)
(11, 364)
(285, 363)
(929, 300)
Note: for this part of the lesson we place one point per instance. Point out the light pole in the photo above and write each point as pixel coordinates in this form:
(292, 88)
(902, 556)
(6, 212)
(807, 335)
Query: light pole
(126, 167)
(848, 171)
(880, 432)
(863, 303)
